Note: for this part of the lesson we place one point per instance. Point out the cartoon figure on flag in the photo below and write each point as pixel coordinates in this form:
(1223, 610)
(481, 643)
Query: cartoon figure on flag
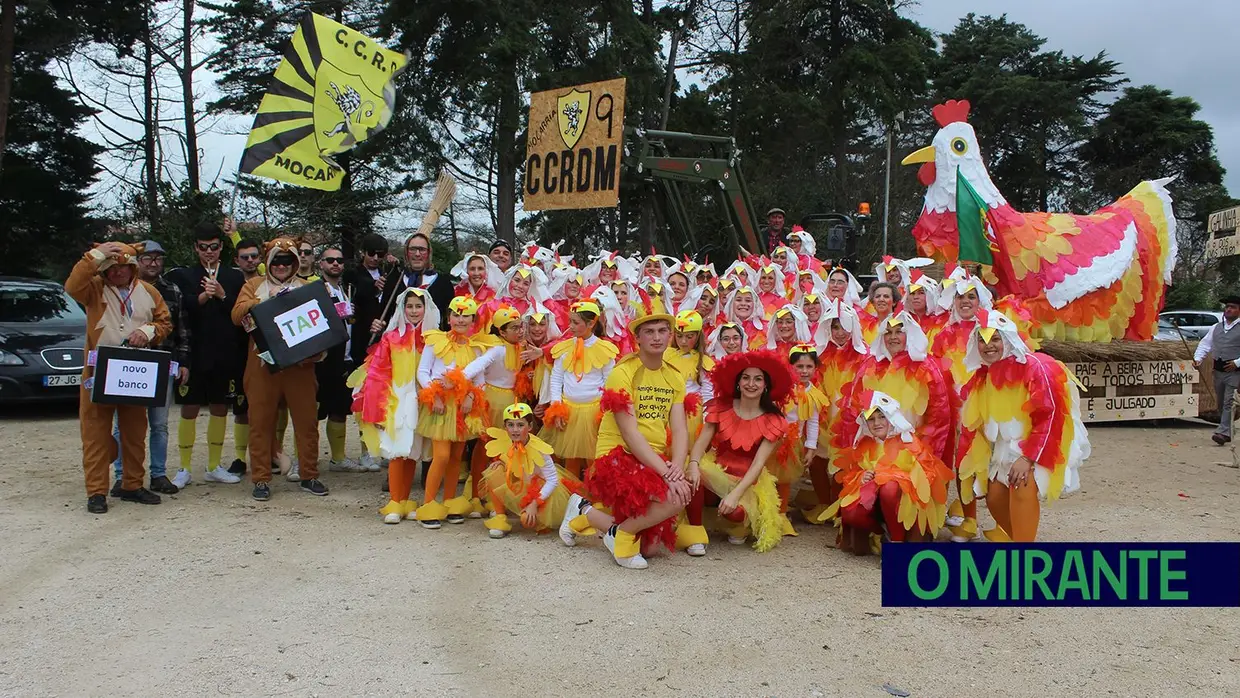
(333, 89)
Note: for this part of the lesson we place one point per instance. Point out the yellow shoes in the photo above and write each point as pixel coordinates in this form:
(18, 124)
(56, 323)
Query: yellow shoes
(498, 525)
(392, 512)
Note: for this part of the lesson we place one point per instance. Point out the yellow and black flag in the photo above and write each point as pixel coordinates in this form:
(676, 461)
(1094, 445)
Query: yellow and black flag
(333, 89)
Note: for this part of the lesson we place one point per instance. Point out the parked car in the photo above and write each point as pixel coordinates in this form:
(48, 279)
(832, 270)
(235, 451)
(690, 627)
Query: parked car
(42, 335)
(1193, 323)
(1167, 332)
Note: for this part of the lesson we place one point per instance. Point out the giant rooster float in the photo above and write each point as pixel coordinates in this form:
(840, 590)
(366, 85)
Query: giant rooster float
(1088, 278)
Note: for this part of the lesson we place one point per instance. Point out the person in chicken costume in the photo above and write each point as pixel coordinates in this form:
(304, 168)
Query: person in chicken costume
(504, 382)
(295, 386)
(1088, 278)
(921, 300)
(744, 424)
(385, 398)
(639, 467)
(523, 479)
(744, 309)
(888, 471)
(688, 354)
(582, 364)
(840, 333)
(1022, 438)
(804, 407)
(899, 365)
(120, 309)
(452, 410)
(480, 278)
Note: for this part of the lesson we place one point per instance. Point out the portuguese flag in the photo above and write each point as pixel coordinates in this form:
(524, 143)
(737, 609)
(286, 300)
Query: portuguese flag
(971, 223)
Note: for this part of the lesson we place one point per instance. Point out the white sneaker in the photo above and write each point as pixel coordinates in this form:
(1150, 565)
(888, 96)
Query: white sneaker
(696, 550)
(953, 521)
(496, 533)
(393, 518)
(567, 534)
(637, 562)
(345, 465)
(220, 474)
(736, 540)
(294, 474)
(368, 463)
(181, 479)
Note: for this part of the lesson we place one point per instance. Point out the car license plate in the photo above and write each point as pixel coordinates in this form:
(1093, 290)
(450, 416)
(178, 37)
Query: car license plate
(62, 380)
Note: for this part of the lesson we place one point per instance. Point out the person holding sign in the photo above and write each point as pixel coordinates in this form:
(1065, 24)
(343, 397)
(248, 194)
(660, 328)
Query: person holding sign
(296, 385)
(120, 310)
(643, 407)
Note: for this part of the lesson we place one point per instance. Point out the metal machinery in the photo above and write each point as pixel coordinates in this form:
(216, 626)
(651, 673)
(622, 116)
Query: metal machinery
(651, 162)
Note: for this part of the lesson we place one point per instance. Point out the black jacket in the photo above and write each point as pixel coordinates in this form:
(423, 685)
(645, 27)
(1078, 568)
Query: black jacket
(213, 336)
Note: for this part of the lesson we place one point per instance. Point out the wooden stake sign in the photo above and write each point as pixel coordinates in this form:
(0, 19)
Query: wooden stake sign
(576, 140)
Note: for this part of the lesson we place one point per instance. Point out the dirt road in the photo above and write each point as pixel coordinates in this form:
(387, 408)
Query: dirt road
(212, 594)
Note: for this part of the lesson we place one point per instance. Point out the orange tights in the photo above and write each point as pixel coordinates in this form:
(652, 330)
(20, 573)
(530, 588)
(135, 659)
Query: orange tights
(577, 466)
(478, 463)
(401, 472)
(1015, 509)
(445, 469)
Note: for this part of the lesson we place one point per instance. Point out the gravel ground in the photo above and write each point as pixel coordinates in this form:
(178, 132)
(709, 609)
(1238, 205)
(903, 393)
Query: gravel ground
(213, 594)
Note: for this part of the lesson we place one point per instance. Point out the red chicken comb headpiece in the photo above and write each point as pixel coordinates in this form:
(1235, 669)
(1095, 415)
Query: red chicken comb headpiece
(951, 111)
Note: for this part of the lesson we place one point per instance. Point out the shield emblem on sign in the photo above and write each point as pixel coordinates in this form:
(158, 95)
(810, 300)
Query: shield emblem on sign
(346, 109)
(572, 112)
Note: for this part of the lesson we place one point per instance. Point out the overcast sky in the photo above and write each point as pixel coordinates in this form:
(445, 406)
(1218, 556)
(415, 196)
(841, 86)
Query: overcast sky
(1188, 47)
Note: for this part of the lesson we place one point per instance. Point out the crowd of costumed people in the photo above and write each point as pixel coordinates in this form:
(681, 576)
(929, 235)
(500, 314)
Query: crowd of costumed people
(624, 397)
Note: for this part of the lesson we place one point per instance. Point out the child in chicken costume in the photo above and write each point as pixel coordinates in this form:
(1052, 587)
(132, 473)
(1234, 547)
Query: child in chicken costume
(805, 405)
(1022, 437)
(743, 427)
(120, 308)
(452, 410)
(899, 366)
(385, 398)
(582, 364)
(295, 386)
(840, 332)
(890, 480)
(1087, 278)
(523, 479)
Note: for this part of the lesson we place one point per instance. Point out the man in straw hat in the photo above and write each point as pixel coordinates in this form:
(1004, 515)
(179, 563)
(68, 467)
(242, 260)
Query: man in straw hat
(120, 309)
(643, 421)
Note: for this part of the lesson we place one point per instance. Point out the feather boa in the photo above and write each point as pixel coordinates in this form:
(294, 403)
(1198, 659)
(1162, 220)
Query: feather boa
(615, 401)
(627, 487)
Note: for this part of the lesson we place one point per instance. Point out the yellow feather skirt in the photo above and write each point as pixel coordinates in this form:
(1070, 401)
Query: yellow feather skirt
(579, 436)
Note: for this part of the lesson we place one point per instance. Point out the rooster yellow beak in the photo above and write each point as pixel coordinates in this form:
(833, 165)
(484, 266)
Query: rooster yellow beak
(926, 154)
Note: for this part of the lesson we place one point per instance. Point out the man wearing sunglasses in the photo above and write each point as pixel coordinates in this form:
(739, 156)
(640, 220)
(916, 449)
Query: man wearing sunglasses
(305, 261)
(210, 289)
(336, 398)
(248, 258)
(367, 281)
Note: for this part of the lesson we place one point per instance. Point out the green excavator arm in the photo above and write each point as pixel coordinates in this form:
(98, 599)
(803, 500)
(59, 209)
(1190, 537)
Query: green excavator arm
(652, 161)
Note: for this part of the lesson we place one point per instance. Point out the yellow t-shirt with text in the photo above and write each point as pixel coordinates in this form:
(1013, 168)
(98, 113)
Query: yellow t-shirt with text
(653, 394)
